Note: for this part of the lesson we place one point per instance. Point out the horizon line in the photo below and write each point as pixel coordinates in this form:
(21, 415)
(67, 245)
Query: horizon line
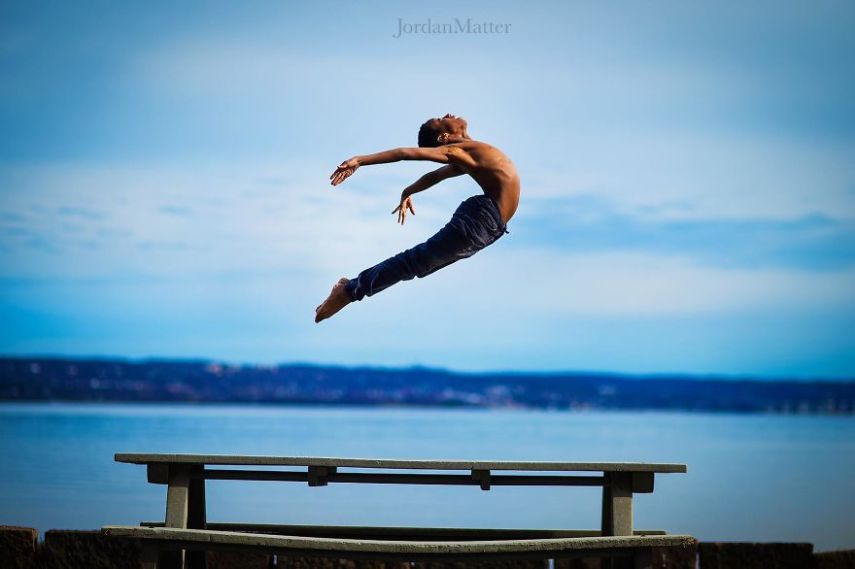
(416, 366)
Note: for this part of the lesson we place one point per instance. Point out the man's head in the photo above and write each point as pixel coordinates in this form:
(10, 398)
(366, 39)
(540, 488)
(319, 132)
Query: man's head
(432, 131)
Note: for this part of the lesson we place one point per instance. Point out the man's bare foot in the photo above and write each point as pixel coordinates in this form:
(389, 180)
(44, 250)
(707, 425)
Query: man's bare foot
(337, 300)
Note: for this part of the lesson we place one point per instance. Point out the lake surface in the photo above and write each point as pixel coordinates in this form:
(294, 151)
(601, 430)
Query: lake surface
(751, 477)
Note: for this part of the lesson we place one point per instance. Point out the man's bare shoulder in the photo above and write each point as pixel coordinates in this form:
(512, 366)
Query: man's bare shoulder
(474, 145)
(475, 151)
(477, 154)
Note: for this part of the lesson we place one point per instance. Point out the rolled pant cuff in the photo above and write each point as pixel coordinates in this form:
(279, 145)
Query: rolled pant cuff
(351, 288)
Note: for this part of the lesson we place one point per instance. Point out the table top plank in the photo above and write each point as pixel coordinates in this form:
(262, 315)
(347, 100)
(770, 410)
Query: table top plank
(342, 462)
(343, 545)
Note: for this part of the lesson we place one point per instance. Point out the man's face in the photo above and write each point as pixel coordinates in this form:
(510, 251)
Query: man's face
(452, 124)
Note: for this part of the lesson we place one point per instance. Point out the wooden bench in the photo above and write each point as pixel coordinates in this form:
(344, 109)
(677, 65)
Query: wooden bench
(186, 526)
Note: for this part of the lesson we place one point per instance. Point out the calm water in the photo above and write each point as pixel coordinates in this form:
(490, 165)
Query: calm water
(751, 477)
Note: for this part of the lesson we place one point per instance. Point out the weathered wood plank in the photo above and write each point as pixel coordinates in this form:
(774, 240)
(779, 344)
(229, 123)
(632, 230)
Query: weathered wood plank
(404, 532)
(342, 546)
(213, 459)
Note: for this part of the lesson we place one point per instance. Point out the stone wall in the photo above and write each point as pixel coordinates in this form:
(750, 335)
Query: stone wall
(18, 547)
(835, 559)
(727, 555)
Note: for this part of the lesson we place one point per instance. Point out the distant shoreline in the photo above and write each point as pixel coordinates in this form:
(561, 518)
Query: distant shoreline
(36, 379)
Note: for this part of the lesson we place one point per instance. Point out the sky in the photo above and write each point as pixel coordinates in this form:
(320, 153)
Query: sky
(688, 183)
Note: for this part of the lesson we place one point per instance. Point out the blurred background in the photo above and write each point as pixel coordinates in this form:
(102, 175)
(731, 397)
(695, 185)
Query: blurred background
(688, 207)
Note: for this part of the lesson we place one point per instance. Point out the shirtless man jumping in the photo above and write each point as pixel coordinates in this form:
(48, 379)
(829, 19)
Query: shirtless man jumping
(478, 221)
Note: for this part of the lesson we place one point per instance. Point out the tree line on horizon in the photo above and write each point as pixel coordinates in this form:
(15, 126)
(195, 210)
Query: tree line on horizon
(199, 381)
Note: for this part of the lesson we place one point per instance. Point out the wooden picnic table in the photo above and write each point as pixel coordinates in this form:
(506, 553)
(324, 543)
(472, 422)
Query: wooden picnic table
(185, 476)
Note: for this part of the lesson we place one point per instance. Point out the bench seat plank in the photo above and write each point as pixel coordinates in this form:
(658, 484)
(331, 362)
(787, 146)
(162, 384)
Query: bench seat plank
(336, 546)
(402, 532)
(223, 459)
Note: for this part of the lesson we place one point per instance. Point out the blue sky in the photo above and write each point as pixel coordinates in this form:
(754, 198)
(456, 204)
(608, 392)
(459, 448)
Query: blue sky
(687, 168)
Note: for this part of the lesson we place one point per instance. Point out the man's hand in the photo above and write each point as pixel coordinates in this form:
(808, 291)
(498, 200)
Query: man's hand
(401, 210)
(344, 171)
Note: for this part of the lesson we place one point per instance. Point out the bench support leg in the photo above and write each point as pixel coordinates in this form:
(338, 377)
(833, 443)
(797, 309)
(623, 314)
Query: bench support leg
(617, 512)
(617, 504)
(196, 515)
(177, 511)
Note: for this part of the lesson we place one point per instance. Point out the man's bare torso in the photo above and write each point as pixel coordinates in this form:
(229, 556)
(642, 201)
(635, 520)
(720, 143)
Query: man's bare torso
(492, 170)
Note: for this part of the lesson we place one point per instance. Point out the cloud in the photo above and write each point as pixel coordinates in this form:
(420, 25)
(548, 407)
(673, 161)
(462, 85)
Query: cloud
(80, 212)
(503, 308)
(238, 224)
(648, 284)
(665, 137)
(162, 246)
(701, 176)
(591, 223)
(176, 210)
(11, 217)
(235, 220)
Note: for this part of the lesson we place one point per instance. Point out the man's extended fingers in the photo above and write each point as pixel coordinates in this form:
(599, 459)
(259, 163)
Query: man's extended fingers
(410, 205)
(340, 176)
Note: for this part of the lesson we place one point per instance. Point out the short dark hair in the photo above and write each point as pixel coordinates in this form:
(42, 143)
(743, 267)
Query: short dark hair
(428, 135)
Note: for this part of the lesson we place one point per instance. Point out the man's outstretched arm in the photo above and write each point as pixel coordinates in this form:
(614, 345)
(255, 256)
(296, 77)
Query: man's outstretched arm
(348, 167)
(423, 183)
(432, 178)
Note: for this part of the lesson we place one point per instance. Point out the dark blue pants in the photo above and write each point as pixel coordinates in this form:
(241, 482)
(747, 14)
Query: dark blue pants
(476, 224)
